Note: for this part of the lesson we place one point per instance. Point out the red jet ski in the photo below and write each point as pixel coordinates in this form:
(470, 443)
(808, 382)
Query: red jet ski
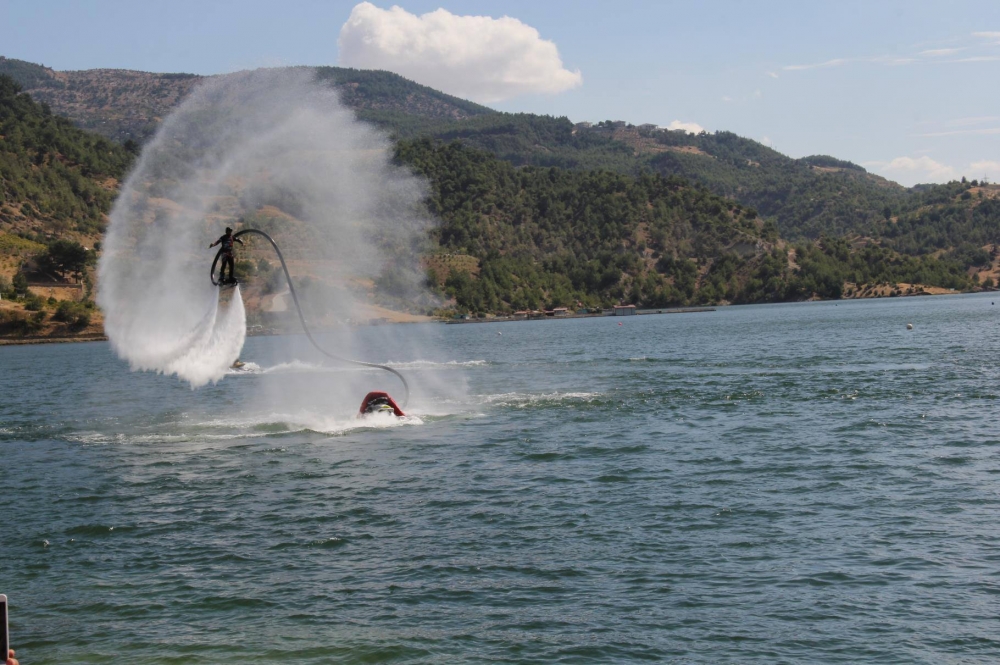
(379, 402)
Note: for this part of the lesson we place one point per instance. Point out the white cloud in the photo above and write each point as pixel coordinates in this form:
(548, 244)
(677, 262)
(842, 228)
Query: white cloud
(974, 120)
(773, 75)
(727, 99)
(689, 127)
(985, 168)
(479, 57)
(977, 58)
(993, 37)
(757, 94)
(888, 60)
(767, 141)
(986, 131)
(919, 169)
(836, 62)
(937, 52)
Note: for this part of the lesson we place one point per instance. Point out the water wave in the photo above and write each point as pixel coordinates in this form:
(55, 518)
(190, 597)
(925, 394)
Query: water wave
(518, 400)
(245, 426)
(419, 364)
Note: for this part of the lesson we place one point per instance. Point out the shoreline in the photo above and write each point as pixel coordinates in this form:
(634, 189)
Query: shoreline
(602, 315)
(22, 341)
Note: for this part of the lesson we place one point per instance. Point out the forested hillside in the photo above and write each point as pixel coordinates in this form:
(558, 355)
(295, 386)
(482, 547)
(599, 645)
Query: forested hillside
(533, 237)
(54, 177)
(57, 183)
(536, 212)
(940, 217)
(805, 198)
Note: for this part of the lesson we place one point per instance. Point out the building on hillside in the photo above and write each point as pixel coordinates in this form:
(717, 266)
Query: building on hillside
(625, 310)
(560, 311)
(648, 127)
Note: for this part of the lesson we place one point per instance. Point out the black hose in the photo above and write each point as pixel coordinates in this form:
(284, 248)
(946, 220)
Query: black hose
(302, 319)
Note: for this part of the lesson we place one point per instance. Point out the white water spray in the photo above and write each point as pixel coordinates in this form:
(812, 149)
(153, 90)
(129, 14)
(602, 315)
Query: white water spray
(273, 146)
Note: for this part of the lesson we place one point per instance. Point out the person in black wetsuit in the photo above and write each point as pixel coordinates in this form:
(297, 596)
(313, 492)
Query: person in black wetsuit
(227, 256)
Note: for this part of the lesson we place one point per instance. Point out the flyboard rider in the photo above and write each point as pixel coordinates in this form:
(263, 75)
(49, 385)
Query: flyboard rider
(227, 256)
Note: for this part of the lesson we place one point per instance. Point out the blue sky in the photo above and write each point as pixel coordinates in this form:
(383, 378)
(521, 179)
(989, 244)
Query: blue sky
(908, 89)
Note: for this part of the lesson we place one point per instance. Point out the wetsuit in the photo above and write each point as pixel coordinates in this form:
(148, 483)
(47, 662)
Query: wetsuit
(227, 257)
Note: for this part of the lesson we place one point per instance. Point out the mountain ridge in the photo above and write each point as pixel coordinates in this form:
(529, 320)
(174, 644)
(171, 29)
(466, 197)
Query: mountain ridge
(537, 211)
(807, 197)
(126, 104)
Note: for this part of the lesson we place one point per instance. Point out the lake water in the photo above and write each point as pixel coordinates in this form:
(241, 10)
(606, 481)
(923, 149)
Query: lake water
(787, 483)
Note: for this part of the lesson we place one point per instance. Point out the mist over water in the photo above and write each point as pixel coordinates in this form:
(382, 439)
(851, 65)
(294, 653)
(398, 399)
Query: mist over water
(275, 149)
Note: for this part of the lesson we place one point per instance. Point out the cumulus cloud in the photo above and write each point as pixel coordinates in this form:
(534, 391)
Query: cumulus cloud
(919, 169)
(985, 168)
(689, 127)
(478, 57)
(912, 170)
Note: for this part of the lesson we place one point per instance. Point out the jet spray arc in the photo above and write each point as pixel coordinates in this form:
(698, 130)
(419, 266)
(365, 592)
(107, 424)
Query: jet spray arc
(374, 402)
(277, 142)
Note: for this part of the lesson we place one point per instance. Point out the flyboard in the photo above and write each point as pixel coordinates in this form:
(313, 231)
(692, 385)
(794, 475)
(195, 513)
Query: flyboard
(226, 289)
(375, 401)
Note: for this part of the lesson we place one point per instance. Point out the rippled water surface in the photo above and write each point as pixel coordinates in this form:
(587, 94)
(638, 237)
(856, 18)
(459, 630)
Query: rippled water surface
(789, 483)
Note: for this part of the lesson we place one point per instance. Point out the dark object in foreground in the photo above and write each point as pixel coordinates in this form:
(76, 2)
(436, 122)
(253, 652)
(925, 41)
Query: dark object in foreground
(4, 633)
(379, 402)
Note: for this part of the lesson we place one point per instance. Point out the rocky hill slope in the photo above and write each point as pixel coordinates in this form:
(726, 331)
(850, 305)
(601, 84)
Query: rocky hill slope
(535, 211)
(123, 104)
(805, 198)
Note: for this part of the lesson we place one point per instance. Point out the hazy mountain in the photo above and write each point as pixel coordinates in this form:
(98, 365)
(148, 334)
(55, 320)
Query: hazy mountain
(123, 104)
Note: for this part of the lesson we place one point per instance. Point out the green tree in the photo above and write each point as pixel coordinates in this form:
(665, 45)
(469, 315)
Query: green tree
(20, 284)
(65, 258)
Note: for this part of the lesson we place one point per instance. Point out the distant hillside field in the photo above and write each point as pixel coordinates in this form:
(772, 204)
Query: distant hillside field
(54, 177)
